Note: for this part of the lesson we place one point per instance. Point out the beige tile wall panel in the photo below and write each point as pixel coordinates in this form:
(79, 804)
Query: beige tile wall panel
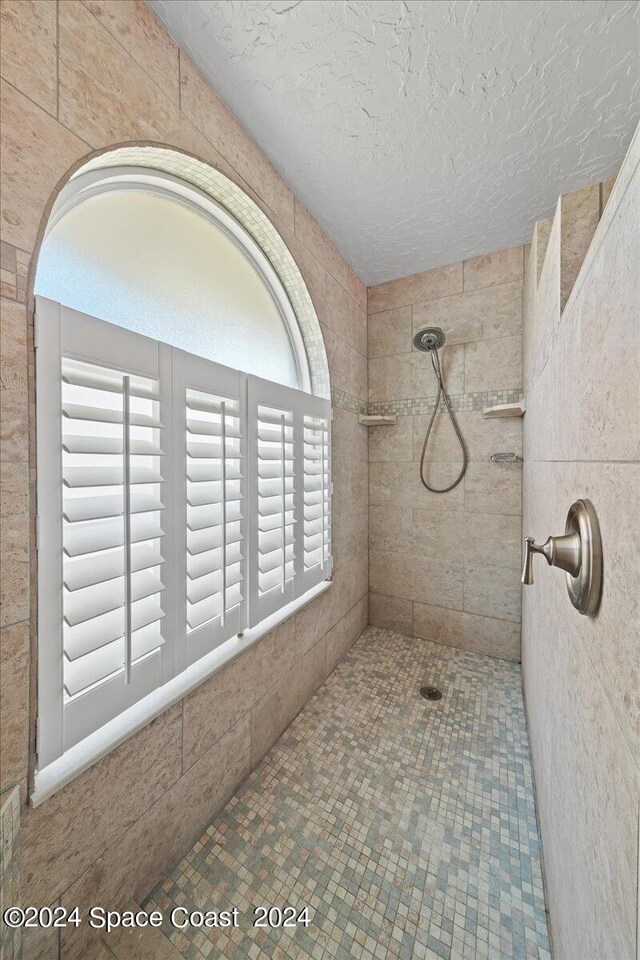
(440, 282)
(30, 25)
(581, 675)
(500, 266)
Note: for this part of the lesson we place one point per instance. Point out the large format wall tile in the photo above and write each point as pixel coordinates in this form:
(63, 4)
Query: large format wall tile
(144, 38)
(482, 436)
(417, 578)
(481, 314)
(70, 830)
(420, 286)
(500, 266)
(493, 365)
(476, 538)
(36, 153)
(14, 704)
(497, 638)
(143, 855)
(30, 25)
(389, 332)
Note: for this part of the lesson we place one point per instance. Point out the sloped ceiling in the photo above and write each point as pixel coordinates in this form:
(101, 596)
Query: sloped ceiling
(420, 133)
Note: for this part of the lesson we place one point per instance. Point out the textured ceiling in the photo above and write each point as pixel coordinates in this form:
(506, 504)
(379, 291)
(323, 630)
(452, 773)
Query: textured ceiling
(420, 133)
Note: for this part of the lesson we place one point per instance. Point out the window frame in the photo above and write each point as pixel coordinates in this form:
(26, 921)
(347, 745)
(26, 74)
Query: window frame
(121, 178)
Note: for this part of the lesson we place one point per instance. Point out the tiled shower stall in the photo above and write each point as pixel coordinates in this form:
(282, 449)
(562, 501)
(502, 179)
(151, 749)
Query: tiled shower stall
(309, 769)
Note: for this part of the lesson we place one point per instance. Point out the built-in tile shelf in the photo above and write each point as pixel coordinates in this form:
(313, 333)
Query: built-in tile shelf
(505, 410)
(377, 421)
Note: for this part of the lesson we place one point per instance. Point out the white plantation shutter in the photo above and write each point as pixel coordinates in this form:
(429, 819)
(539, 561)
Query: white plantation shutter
(102, 518)
(214, 523)
(286, 494)
(316, 493)
(179, 502)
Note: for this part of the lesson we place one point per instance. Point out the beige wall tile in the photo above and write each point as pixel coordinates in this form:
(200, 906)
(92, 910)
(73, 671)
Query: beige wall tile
(319, 616)
(210, 115)
(493, 364)
(390, 332)
(358, 374)
(316, 240)
(348, 437)
(392, 528)
(472, 538)
(499, 266)
(13, 346)
(37, 151)
(14, 704)
(41, 943)
(492, 590)
(416, 578)
(350, 534)
(144, 38)
(542, 232)
(14, 425)
(344, 316)
(476, 315)
(338, 359)
(606, 357)
(14, 561)
(14, 488)
(70, 830)
(546, 313)
(28, 29)
(392, 441)
(390, 613)
(341, 638)
(411, 375)
(440, 282)
(137, 861)
(493, 488)
(350, 485)
(482, 437)
(605, 192)
(495, 638)
(275, 710)
(580, 215)
(398, 484)
(218, 704)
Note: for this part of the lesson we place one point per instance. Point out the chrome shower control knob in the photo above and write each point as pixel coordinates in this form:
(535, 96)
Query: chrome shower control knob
(578, 552)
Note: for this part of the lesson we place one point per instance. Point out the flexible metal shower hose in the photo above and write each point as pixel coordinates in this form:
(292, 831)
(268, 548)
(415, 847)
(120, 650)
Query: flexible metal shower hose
(435, 360)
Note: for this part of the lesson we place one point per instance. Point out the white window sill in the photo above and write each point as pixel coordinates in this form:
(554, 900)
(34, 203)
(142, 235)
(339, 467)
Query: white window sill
(84, 754)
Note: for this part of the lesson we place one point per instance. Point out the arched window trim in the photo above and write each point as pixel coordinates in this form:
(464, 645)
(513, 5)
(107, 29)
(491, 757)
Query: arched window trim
(84, 186)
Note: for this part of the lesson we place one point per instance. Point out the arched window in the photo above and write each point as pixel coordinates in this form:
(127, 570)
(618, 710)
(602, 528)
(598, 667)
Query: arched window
(183, 481)
(148, 252)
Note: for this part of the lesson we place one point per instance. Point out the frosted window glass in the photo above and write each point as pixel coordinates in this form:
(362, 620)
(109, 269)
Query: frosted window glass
(155, 266)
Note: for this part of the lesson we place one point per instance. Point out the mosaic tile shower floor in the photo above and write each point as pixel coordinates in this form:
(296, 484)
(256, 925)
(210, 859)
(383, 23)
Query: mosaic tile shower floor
(408, 827)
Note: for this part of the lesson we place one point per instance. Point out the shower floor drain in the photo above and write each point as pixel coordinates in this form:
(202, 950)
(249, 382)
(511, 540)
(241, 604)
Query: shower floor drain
(430, 693)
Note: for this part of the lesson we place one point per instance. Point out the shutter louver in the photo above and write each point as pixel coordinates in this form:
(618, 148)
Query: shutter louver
(316, 510)
(112, 532)
(215, 582)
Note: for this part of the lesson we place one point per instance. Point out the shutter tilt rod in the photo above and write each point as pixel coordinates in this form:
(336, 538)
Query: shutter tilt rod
(284, 501)
(223, 437)
(126, 417)
(322, 438)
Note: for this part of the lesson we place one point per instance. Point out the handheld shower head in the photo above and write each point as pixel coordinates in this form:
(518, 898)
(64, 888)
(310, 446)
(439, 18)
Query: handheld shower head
(431, 338)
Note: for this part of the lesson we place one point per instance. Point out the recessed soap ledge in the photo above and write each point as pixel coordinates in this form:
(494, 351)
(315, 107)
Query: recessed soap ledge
(374, 420)
(505, 410)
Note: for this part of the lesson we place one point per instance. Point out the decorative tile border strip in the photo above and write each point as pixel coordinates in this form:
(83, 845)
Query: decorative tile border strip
(339, 398)
(460, 402)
